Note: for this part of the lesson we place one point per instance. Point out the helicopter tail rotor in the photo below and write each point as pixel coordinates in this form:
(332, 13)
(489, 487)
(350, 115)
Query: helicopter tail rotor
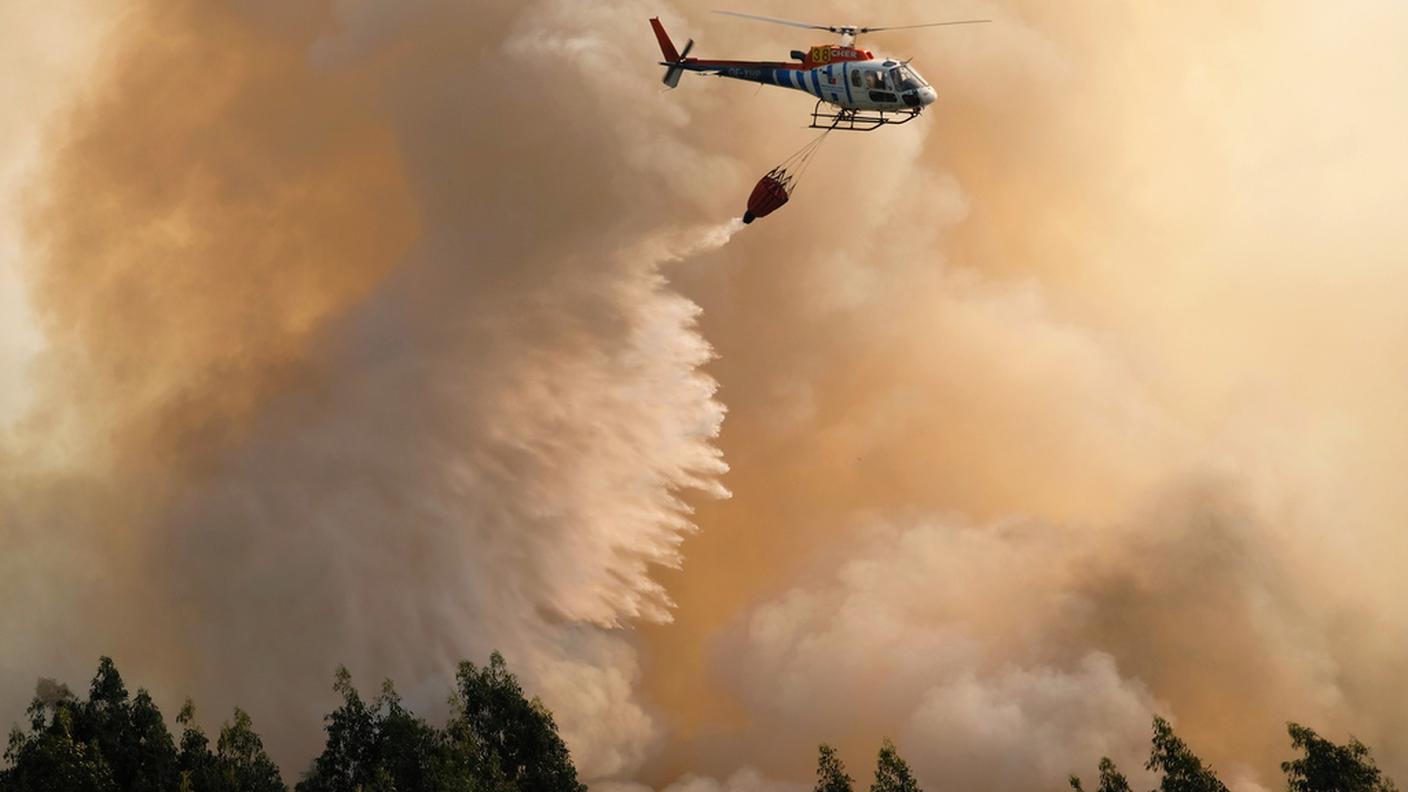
(672, 57)
(672, 73)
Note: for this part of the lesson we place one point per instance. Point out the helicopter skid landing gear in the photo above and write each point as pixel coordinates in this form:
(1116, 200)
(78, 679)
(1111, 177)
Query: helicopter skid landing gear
(832, 117)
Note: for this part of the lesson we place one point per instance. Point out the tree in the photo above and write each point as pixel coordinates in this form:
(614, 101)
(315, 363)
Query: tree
(151, 759)
(1327, 767)
(49, 759)
(497, 740)
(505, 736)
(892, 773)
(414, 755)
(241, 761)
(110, 741)
(383, 747)
(199, 772)
(105, 722)
(1111, 779)
(113, 742)
(349, 754)
(831, 771)
(1183, 770)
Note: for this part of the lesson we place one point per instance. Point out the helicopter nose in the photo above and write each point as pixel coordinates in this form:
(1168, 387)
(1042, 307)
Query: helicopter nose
(927, 96)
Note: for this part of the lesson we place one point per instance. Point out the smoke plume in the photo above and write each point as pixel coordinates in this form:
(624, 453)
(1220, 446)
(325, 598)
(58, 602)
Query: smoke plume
(390, 334)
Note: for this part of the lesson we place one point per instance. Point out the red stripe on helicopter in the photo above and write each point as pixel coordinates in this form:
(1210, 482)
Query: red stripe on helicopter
(817, 57)
(721, 64)
(667, 47)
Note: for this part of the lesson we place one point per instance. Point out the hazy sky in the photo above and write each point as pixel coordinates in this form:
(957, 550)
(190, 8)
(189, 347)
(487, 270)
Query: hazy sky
(386, 335)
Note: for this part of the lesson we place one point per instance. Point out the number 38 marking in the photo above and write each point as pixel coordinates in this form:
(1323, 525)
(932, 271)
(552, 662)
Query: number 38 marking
(821, 54)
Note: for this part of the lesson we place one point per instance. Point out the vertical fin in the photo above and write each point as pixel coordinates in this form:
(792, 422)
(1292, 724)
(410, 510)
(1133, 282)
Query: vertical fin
(667, 47)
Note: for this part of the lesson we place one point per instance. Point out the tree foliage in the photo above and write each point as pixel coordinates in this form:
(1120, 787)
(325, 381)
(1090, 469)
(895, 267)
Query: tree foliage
(512, 739)
(497, 740)
(892, 773)
(1111, 779)
(114, 742)
(240, 759)
(831, 771)
(1323, 767)
(194, 760)
(1327, 767)
(1182, 770)
(53, 759)
(382, 747)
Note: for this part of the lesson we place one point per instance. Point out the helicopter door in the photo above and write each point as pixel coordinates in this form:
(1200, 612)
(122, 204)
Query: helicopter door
(833, 87)
(878, 87)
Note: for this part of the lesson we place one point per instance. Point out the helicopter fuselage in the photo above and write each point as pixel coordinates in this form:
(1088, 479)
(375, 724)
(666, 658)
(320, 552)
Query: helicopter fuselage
(841, 75)
(847, 77)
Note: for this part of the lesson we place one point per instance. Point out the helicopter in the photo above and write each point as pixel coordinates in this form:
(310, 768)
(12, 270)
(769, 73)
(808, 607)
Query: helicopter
(855, 90)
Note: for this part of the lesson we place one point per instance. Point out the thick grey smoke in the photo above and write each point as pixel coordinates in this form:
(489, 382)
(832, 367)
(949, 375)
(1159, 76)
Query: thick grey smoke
(999, 655)
(386, 335)
(1130, 290)
(480, 440)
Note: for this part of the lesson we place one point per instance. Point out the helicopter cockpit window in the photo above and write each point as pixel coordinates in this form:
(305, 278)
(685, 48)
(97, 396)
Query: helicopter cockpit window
(906, 80)
(875, 81)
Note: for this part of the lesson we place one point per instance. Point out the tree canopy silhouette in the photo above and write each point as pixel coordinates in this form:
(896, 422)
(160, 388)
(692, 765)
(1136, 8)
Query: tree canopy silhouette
(1111, 779)
(514, 738)
(113, 742)
(1327, 767)
(1324, 767)
(892, 773)
(496, 740)
(831, 771)
(1183, 770)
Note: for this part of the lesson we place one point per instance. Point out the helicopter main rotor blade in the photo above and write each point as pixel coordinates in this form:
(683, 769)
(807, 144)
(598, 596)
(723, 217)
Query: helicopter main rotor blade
(788, 22)
(928, 24)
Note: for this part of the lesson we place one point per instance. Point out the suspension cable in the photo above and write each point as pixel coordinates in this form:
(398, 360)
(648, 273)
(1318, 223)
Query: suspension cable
(801, 159)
